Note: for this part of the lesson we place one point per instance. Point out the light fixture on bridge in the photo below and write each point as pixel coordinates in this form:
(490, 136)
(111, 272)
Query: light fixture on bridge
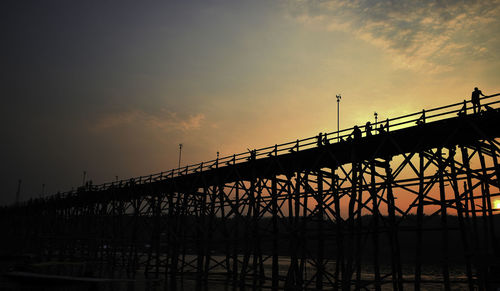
(338, 116)
(180, 154)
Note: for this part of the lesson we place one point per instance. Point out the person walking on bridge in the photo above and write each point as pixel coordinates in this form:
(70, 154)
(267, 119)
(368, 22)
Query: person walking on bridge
(368, 128)
(475, 99)
(356, 133)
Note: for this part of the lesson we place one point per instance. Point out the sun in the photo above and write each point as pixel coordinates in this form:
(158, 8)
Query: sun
(496, 204)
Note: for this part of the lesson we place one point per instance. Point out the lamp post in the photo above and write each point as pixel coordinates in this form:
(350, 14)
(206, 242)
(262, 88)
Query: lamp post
(180, 154)
(338, 117)
(376, 115)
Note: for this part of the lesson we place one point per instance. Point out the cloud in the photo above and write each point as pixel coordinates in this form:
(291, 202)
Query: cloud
(420, 35)
(166, 121)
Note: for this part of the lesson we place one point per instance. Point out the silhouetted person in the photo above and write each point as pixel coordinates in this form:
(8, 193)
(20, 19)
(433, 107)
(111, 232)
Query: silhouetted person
(381, 129)
(356, 132)
(320, 139)
(253, 155)
(475, 98)
(368, 128)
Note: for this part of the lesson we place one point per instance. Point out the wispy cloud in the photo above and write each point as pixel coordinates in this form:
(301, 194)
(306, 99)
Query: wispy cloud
(166, 121)
(421, 35)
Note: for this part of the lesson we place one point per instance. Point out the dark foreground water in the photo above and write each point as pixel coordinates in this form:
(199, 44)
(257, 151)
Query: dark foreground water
(185, 285)
(430, 273)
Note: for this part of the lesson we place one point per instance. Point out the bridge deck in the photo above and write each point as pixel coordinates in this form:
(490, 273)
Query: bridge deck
(442, 133)
(451, 126)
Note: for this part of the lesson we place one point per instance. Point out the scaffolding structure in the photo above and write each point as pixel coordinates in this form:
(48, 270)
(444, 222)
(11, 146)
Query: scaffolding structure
(371, 212)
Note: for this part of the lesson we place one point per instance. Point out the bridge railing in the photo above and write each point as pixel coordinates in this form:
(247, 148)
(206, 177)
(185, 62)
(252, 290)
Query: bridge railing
(344, 135)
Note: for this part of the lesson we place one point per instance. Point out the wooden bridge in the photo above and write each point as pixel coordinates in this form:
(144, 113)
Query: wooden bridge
(332, 212)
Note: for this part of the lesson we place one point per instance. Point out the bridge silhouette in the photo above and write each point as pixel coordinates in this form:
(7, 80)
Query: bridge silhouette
(372, 210)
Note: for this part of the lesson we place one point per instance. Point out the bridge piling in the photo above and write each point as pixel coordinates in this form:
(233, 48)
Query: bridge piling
(375, 229)
(444, 220)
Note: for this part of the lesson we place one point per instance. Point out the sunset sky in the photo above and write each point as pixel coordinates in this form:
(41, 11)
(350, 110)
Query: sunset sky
(112, 87)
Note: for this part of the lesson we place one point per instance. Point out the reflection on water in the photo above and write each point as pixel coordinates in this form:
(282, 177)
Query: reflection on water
(220, 280)
(191, 285)
(431, 277)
